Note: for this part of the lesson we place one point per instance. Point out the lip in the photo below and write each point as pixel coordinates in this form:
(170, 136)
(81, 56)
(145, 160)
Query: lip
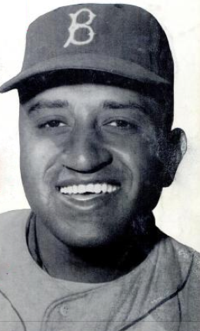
(81, 197)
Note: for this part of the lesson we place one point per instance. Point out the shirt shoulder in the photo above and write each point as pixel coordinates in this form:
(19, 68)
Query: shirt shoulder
(12, 238)
(186, 261)
(12, 224)
(189, 294)
(14, 215)
(185, 255)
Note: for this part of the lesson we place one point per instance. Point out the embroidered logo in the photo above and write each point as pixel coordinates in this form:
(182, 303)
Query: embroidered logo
(76, 26)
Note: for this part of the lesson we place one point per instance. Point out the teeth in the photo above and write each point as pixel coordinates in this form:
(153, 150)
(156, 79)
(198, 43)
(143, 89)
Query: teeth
(104, 188)
(109, 188)
(89, 188)
(81, 189)
(97, 188)
(74, 189)
(65, 190)
(70, 190)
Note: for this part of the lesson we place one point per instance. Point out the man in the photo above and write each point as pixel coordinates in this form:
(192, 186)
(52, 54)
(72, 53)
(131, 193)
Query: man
(96, 110)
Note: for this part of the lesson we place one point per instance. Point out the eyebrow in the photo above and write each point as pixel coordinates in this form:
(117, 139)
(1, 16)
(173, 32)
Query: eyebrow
(118, 105)
(48, 104)
(45, 104)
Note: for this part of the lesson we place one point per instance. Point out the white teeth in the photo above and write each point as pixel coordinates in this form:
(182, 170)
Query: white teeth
(74, 189)
(70, 189)
(104, 188)
(97, 188)
(89, 188)
(81, 189)
(65, 190)
(109, 188)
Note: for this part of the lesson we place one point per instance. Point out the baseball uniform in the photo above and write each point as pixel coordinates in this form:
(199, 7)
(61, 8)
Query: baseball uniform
(162, 293)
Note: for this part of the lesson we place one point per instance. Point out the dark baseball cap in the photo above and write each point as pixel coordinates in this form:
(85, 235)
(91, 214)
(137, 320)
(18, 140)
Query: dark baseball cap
(120, 40)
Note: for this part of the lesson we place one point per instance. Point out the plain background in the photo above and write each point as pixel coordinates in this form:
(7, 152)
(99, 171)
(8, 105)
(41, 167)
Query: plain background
(178, 212)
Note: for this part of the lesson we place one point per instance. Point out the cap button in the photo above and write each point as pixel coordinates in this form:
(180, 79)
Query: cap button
(64, 310)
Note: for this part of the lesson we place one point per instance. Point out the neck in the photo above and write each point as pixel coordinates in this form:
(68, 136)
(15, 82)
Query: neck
(89, 265)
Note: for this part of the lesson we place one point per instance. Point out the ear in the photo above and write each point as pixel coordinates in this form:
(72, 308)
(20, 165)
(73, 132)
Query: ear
(176, 147)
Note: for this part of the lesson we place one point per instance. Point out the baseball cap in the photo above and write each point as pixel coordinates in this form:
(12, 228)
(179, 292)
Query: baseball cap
(116, 39)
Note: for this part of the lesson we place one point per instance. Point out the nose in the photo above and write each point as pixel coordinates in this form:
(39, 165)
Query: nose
(86, 153)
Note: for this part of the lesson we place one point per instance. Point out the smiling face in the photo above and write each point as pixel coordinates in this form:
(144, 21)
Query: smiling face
(89, 161)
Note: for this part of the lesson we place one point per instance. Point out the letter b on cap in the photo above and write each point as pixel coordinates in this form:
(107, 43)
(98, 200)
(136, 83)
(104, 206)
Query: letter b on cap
(76, 26)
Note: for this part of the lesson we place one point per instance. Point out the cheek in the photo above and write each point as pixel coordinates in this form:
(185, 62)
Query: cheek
(143, 171)
(37, 156)
(137, 156)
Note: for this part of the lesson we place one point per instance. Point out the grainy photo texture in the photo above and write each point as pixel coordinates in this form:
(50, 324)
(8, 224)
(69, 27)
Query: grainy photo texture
(97, 147)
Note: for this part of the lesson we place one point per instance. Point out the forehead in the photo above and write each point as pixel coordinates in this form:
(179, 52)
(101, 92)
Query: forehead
(91, 91)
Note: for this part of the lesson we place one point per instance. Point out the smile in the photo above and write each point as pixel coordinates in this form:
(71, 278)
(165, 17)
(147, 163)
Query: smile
(88, 189)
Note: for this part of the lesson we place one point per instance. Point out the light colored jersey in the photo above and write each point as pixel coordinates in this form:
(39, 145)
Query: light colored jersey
(162, 293)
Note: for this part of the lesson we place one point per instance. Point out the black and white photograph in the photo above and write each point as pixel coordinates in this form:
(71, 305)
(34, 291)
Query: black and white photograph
(100, 165)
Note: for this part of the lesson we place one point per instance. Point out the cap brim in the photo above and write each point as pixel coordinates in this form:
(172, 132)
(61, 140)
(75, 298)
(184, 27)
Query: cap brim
(85, 61)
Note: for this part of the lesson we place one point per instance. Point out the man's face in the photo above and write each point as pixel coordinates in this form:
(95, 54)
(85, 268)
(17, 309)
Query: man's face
(88, 161)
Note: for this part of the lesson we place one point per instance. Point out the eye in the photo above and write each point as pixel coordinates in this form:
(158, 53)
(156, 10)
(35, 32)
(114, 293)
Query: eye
(52, 124)
(122, 124)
